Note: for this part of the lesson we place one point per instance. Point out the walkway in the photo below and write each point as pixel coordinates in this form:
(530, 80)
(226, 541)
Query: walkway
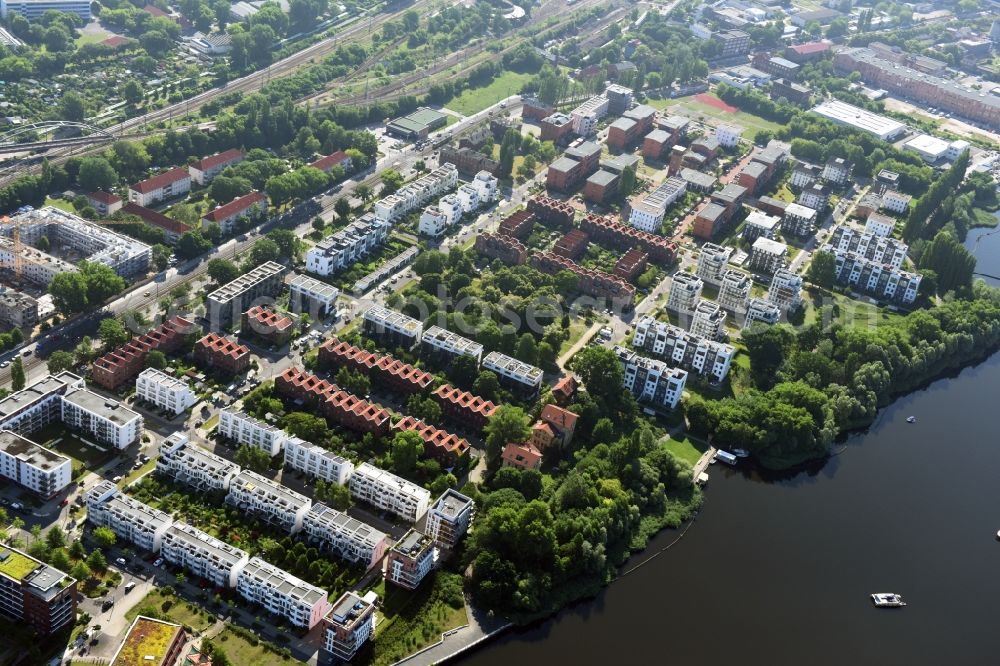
(706, 459)
(481, 627)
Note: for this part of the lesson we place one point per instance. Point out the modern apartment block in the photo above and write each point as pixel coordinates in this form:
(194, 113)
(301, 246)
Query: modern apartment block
(785, 290)
(18, 310)
(708, 320)
(39, 404)
(650, 380)
(32, 466)
(517, 375)
(767, 256)
(317, 462)
(798, 220)
(203, 555)
(410, 560)
(587, 114)
(388, 492)
(348, 538)
(685, 292)
(350, 623)
(875, 277)
(106, 420)
(416, 194)
(309, 295)
(343, 248)
(125, 362)
(873, 247)
(164, 391)
(281, 593)
(392, 327)
(442, 343)
(35, 593)
(268, 500)
(712, 261)
(194, 466)
(759, 310)
(227, 303)
(647, 214)
(127, 517)
(467, 409)
(735, 290)
(246, 430)
(683, 349)
(449, 518)
(760, 225)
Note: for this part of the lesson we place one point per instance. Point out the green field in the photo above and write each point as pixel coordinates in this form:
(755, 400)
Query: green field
(177, 610)
(686, 449)
(692, 108)
(60, 203)
(240, 651)
(409, 621)
(476, 99)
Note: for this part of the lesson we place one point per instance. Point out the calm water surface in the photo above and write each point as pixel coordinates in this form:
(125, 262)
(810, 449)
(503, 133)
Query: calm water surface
(779, 571)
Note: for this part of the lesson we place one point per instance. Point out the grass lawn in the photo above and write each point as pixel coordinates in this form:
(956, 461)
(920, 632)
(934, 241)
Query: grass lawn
(410, 621)
(686, 449)
(178, 610)
(576, 329)
(475, 100)
(91, 39)
(240, 651)
(62, 204)
(211, 423)
(136, 473)
(692, 108)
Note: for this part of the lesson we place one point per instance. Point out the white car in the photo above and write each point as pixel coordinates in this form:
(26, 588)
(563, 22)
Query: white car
(158, 562)
(120, 561)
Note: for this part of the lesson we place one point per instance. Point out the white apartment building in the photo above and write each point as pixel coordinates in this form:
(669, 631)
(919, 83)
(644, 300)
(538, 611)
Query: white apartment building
(586, 116)
(880, 225)
(735, 290)
(166, 392)
(685, 290)
(896, 202)
(647, 214)
(416, 194)
(767, 255)
(194, 466)
(437, 340)
(160, 187)
(245, 429)
(206, 169)
(317, 462)
(486, 186)
(868, 245)
(805, 175)
(759, 310)
(785, 290)
(345, 247)
(651, 381)
(39, 404)
(349, 624)
(349, 538)
(270, 501)
(875, 277)
(281, 593)
(837, 171)
(798, 220)
(683, 349)
(309, 295)
(468, 196)
(392, 326)
(759, 224)
(432, 222)
(203, 555)
(708, 320)
(449, 518)
(712, 262)
(107, 420)
(451, 208)
(389, 492)
(513, 373)
(34, 467)
(728, 135)
(127, 517)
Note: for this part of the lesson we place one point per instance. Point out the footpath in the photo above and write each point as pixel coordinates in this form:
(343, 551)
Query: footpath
(480, 628)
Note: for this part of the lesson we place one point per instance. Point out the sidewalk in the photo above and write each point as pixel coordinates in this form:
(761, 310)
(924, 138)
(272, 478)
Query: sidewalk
(481, 626)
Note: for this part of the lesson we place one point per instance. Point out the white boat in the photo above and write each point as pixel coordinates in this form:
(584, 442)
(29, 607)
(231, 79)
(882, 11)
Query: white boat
(911, 419)
(726, 457)
(887, 600)
(741, 453)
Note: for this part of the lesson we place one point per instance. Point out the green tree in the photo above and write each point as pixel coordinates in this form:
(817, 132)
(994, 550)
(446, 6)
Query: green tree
(17, 379)
(263, 250)
(69, 293)
(132, 91)
(55, 537)
(600, 372)
(58, 361)
(81, 571)
(72, 107)
(508, 424)
(288, 243)
(527, 349)
(222, 271)
(768, 347)
(342, 207)
(306, 426)
(155, 359)
(407, 448)
(627, 181)
(823, 269)
(97, 562)
(96, 173)
(76, 550)
(192, 244)
(161, 256)
(252, 458)
(105, 537)
(392, 180)
(509, 146)
(84, 352)
(112, 333)
(487, 385)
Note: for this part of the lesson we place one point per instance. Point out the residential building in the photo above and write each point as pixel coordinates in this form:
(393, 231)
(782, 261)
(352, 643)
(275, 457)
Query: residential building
(150, 641)
(338, 406)
(506, 249)
(227, 303)
(386, 268)
(728, 136)
(572, 245)
(387, 492)
(601, 186)
(252, 206)
(467, 160)
(37, 405)
(348, 538)
(698, 181)
(18, 310)
(410, 560)
(732, 42)
(36, 593)
(432, 222)
(281, 593)
(108, 421)
(317, 462)
(216, 351)
(619, 98)
(555, 127)
(449, 518)
(268, 500)
(203, 555)
(651, 381)
(164, 391)
(40, 470)
(520, 456)
(522, 377)
(708, 320)
(622, 237)
(815, 196)
(164, 186)
(33, 9)
(518, 224)
(767, 256)
(655, 144)
(772, 205)
(194, 466)
(439, 444)
(125, 362)
(712, 261)
(534, 109)
(647, 214)
(807, 52)
(445, 345)
(206, 169)
(172, 229)
(759, 225)
(796, 93)
(731, 198)
(349, 624)
(266, 324)
(896, 202)
(590, 282)
(734, 290)
(759, 310)
(683, 349)
(685, 290)
(837, 171)
(309, 295)
(843, 113)
(392, 327)
(785, 290)
(485, 184)
(869, 203)
(586, 115)
(462, 407)
(804, 175)
(799, 220)
(127, 517)
(468, 197)
(105, 203)
(880, 225)
(336, 158)
(245, 430)
(875, 277)
(345, 247)
(871, 246)
(631, 265)
(416, 194)
(709, 221)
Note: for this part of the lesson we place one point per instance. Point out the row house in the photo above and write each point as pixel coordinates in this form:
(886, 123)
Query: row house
(127, 517)
(227, 303)
(172, 229)
(268, 500)
(203, 555)
(631, 265)
(347, 246)
(245, 430)
(395, 374)
(572, 245)
(317, 462)
(518, 224)
(551, 212)
(199, 468)
(417, 193)
(441, 344)
(166, 392)
(332, 403)
(873, 277)
(410, 560)
(206, 169)
(252, 206)
(449, 518)
(125, 362)
(762, 311)
(387, 492)
(622, 237)
(873, 247)
(440, 445)
(506, 249)
(164, 186)
(106, 420)
(712, 262)
(217, 351)
(36, 468)
(464, 408)
(651, 381)
(516, 375)
(734, 290)
(348, 538)
(282, 594)
(392, 327)
(684, 349)
(595, 283)
(266, 324)
(349, 625)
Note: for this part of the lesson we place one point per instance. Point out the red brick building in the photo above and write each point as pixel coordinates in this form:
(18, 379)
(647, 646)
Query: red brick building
(633, 124)
(332, 403)
(551, 211)
(506, 249)
(753, 177)
(122, 364)
(216, 351)
(443, 446)
(463, 407)
(632, 264)
(709, 220)
(534, 109)
(268, 325)
(655, 144)
(601, 187)
(621, 237)
(572, 244)
(592, 283)
(807, 52)
(518, 224)
(555, 126)
(393, 373)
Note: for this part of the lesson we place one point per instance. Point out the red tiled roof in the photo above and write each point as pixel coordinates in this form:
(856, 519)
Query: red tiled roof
(105, 198)
(160, 180)
(809, 47)
(268, 318)
(115, 41)
(154, 11)
(432, 436)
(521, 455)
(235, 207)
(563, 419)
(465, 399)
(330, 161)
(231, 155)
(155, 219)
(218, 344)
(565, 387)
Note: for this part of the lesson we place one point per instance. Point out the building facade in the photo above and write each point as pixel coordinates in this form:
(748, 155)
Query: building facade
(389, 492)
(164, 391)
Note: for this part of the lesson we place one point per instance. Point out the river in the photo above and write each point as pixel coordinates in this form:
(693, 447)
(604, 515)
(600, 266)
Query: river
(778, 571)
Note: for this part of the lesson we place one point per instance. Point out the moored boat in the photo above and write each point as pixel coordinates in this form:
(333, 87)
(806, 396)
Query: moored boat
(887, 600)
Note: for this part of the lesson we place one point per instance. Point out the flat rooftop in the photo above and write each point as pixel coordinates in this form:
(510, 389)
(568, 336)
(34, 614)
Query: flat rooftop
(147, 643)
(43, 388)
(111, 410)
(27, 451)
(847, 114)
(451, 503)
(16, 565)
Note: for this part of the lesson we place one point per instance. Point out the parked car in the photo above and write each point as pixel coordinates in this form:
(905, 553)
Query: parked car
(158, 562)
(120, 561)
(117, 479)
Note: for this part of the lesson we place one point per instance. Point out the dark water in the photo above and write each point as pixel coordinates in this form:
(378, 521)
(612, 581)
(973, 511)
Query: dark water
(779, 572)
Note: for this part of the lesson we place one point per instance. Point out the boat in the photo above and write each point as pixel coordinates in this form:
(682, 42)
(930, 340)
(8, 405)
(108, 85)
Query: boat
(911, 419)
(741, 453)
(726, 457)
(887, 600)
